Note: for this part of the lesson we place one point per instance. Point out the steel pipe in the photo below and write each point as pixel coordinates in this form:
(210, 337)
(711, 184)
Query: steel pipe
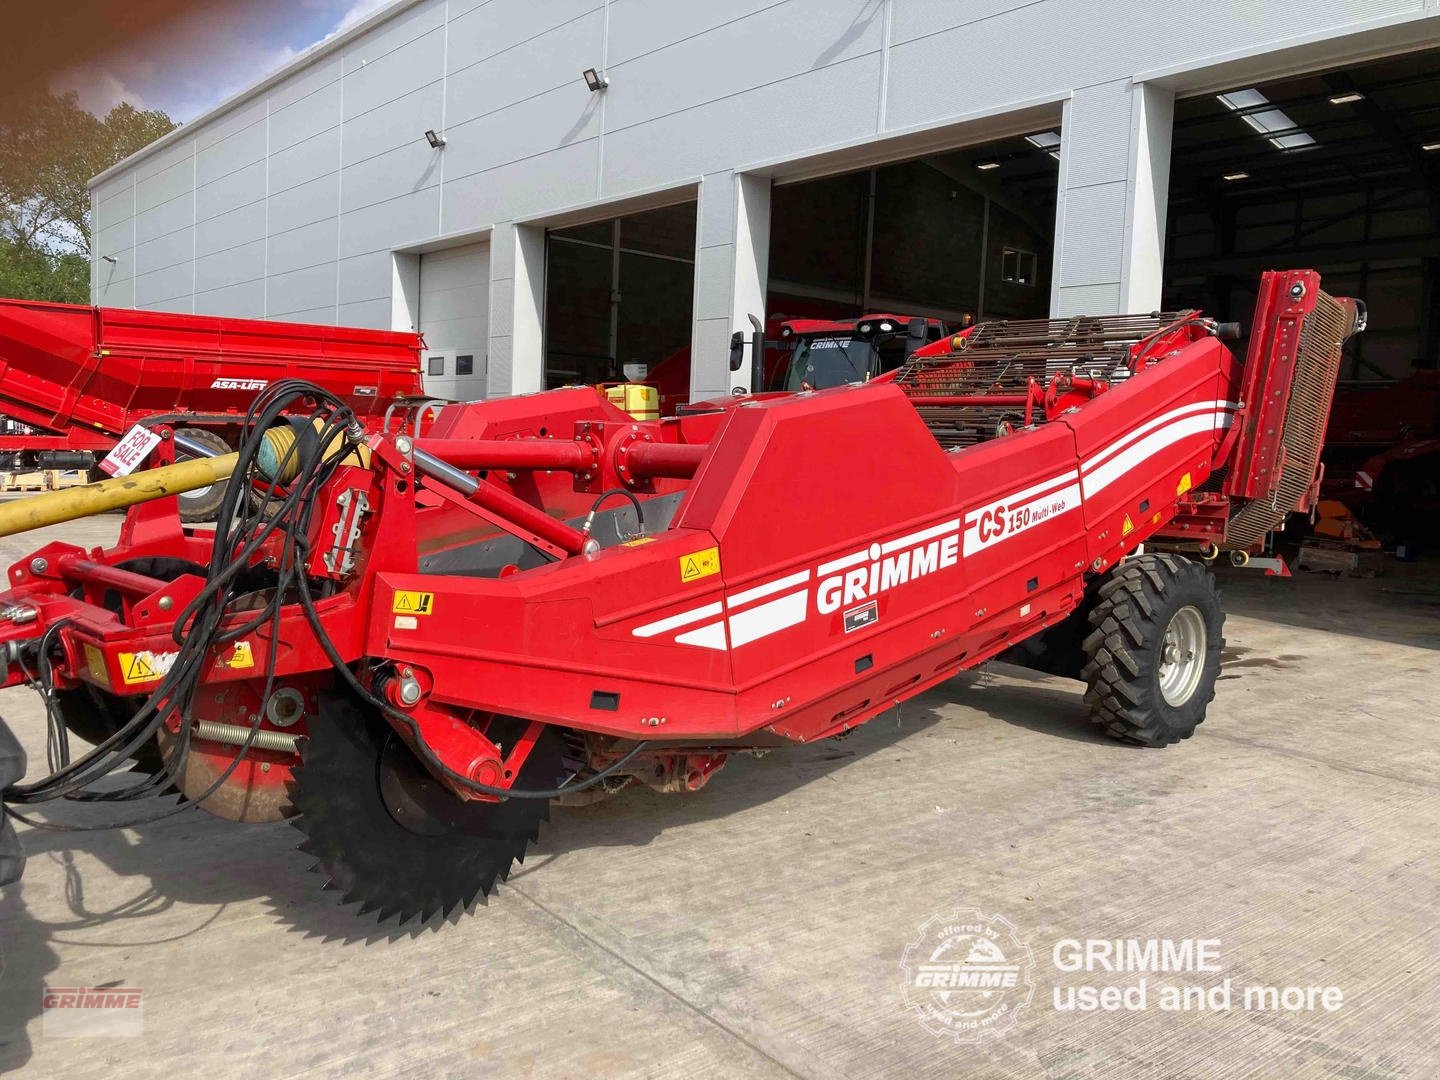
(564, 454)
(675, 460)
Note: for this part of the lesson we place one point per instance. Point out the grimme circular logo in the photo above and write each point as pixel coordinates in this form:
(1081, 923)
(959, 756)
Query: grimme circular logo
(967, 975)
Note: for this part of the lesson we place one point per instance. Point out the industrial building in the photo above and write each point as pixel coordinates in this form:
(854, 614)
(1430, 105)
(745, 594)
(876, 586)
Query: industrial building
(549, 192)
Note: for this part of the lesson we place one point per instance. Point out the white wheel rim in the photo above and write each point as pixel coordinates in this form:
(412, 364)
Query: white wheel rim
(1182, 655)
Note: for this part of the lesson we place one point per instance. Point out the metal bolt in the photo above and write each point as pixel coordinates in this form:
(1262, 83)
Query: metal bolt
(166, 603)
(405, 466)
(265, 766)
(403, 444)
(38, 565)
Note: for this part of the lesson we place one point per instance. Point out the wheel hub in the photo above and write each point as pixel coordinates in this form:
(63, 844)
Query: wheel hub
(1182, 655)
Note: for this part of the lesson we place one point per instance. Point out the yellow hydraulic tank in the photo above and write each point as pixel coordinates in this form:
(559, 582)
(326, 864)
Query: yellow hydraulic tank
(639, 400)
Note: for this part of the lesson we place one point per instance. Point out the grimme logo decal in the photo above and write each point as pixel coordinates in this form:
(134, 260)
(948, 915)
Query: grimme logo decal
(890, 564)
(238, 384)
(967, 975)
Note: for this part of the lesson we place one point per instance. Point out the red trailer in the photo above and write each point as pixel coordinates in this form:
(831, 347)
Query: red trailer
(85, 375)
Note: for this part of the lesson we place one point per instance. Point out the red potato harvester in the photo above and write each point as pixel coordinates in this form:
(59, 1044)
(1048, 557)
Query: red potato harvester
(410, 646)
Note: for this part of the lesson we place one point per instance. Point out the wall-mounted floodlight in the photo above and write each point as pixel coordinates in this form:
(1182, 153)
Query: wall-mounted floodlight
(594, 80)
(109, 258)
(986, 166)
(435, 141)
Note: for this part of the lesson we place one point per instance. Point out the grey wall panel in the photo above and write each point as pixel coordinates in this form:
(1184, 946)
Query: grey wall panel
(374, 314)
(231, 191)
(152, 164)
(305, 118)
(1101, 152)
(303, 290)
(168, 250)
(301, 205)
(112, 211)
(400, 29)
(122, 184)
(919, 18)
(832, 105)
(401, 122)
(366, 277)
(169, 183)
(174, 284)
(564, 177)
(492, 28)
(115, 239)
(243, 301)
(394, 74)
(783, 41)
(1094, 220)
(323, 316)
(178, 213)
(385, 225)
(114, 291)
(388, 176)
(230, 124)
(309, 245)
(245, 147)
(305, 84)
(225, 268)
(523, 71)
(641, 26)
(242, 226)
(305, 161)
(559, 118)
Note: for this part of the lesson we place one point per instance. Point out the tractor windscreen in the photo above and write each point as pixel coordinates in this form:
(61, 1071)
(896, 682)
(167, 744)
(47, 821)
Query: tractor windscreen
(820, 363)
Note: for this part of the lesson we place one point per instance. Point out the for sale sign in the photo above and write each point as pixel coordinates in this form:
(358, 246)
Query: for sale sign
(130, 451)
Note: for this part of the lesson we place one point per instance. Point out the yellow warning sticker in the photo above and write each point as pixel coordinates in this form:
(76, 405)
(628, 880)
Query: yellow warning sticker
(241, 657)
(143, 667)
(638, 541)
(413, 603)
(1184, 485)
(95, 664)
(1128, 527)
(701, 564)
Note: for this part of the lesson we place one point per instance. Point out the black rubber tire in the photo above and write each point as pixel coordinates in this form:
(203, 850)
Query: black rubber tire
(197, 506)
(1133, 608)
(12, 771)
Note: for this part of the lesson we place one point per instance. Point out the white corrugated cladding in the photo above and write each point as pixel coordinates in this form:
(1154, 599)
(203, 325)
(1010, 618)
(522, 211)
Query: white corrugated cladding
(454, 317)
(301, 197)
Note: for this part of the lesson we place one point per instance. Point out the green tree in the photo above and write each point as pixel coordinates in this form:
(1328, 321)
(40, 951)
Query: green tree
(49, 149)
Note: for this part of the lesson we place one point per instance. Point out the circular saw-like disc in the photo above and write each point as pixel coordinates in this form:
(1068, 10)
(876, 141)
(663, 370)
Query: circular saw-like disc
(389, 836)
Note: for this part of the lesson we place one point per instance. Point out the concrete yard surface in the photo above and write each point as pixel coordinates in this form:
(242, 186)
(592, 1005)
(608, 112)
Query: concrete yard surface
(757, 927)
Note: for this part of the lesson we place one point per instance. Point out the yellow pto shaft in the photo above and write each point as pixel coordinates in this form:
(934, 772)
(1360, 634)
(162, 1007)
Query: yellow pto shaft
(55, 507)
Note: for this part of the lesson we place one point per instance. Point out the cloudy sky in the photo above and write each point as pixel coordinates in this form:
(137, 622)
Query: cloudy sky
(202, 54)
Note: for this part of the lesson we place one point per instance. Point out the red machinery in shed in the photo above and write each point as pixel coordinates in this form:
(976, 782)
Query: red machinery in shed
(415, 644)
(86, 375)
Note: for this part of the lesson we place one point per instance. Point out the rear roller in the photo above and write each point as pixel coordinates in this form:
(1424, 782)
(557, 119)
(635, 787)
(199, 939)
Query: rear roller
(385, 833)
(1153, 652)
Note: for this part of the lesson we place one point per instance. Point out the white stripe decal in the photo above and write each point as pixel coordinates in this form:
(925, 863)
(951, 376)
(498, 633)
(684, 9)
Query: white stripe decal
(685, 618)
(919, 537)
(1160, 421)
(1028, 493)
(768, 618)
(740, 599)
(1123, 462)
(707, 637)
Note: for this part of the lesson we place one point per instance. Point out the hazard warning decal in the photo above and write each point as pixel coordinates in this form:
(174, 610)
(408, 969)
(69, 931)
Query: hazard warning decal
(702, 564)
(144, 667)
(413, 603)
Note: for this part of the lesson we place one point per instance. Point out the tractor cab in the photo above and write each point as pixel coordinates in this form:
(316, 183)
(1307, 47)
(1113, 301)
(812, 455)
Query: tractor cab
(818, 354)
